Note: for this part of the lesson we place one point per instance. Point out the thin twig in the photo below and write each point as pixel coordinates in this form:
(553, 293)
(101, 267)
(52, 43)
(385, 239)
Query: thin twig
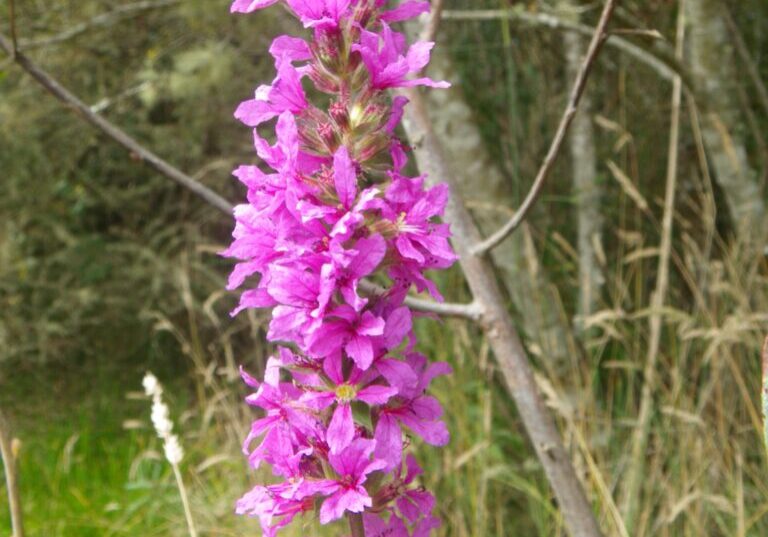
(636, 471)
(435, 18)
(11, 478)
(598, 38)
(12, 19)
(184, 500)
(471, 311)
(137, 151)
(659, 59)
(641, 32)
(99, 20)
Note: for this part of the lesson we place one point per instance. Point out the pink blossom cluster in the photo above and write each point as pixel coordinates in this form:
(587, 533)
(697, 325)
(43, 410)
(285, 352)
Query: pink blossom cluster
(335, 209)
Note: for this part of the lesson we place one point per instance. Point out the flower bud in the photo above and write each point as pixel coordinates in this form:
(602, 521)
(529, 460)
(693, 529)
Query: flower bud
(340, 114)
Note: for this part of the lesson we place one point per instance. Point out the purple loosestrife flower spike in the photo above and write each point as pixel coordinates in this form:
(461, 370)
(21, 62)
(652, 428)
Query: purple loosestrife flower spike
(326, 206)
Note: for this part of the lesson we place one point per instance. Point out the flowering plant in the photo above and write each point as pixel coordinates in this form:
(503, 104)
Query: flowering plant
(337, 209)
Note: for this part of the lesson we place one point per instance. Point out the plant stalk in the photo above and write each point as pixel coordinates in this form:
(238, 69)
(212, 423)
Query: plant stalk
(184, 501)
(356, 524)
(9, 465)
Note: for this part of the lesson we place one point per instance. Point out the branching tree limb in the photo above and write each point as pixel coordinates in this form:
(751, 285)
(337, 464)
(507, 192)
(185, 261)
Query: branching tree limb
(527, 282)
(598, 38)
(504, 340)
(115, 133)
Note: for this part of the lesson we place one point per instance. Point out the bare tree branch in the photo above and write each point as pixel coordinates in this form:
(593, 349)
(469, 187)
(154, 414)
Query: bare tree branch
(500, 331)
(661, 61)
(471, 311)
(12, 19)
(115, 133)
(9, 465)
(102, 19)
(598, 38)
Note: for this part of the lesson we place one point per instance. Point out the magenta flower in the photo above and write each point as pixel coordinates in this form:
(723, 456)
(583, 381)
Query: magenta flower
(299, 310)
(383, 55)
(332, 211)
(344, 392)
(288, 424)
(283, 156)
(411, 408)
(404, 11)
(351, 331)
(248, 6)
(414, 503)
(289, 48)
(337, 277)
(344, 180)
(319, 13)
(347, 493)
(312, 13)
(285, 94)
(273, 511)
(375, 526)
(412, 210)
(277, 505)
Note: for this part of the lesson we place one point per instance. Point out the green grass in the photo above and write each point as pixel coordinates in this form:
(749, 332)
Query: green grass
(82, 472)
(90, 465)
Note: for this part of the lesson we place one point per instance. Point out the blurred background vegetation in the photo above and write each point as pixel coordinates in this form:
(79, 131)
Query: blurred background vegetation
(108, 269)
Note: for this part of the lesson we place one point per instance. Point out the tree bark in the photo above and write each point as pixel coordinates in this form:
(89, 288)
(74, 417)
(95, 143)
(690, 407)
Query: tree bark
(581, 143)
(714, 69)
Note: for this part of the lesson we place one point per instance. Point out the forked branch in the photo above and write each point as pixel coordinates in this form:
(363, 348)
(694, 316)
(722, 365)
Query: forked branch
(500, 331)
(471, 311)
(598, 38)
